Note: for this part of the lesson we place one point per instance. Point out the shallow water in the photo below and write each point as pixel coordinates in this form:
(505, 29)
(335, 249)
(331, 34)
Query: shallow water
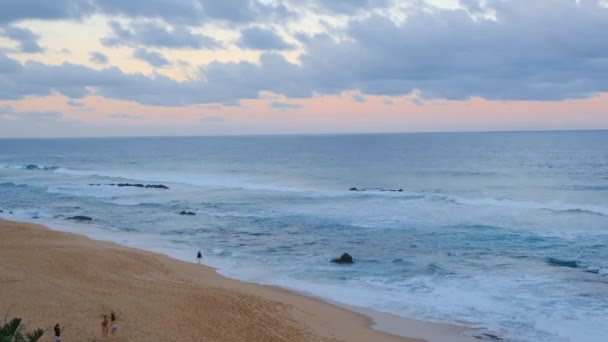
(507, 232)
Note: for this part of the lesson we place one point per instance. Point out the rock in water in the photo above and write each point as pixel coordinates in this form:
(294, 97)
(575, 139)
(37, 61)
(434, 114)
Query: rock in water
(157, 186)
(79, 218)
(344, 259)
(188, 213)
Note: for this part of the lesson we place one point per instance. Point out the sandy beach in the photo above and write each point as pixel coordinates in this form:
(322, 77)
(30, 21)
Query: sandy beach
(50, 277)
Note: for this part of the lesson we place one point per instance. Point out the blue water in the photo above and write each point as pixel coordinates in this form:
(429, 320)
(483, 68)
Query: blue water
(505, 232)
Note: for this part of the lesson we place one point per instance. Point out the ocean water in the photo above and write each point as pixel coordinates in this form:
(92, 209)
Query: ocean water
(505, 232)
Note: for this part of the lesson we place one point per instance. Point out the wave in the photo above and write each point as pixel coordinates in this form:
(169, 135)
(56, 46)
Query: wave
(30, 167)
(602, 271)
(250, 183)
(563, 263)
(508, 203)
(212, 181)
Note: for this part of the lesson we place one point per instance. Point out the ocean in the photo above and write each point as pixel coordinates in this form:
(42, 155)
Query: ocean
(504, 232)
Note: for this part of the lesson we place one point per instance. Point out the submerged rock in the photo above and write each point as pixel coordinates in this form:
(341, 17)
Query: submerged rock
(376, 189)
(79, 218)
(187, 213)
(1, 211)
(563, 263)
(344, 259)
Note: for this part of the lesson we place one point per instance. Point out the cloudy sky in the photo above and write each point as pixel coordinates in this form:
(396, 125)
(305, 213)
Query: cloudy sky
(199, 67)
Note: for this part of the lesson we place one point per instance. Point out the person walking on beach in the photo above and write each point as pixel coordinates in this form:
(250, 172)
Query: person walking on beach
(199, 256)
(105, 326)
(58, 330)
(113, 325)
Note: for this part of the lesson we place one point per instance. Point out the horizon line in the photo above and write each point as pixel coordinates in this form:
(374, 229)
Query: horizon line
(306, 134)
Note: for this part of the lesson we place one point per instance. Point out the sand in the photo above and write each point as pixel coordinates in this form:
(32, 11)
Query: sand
(49, 277)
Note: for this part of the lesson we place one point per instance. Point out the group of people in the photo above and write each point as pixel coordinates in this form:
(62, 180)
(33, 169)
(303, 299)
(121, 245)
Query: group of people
(109, 326)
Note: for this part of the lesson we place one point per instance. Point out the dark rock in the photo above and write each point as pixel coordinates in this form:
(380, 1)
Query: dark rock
(35, 217)
(344, 259)
(354, 189)
(10, 212)
(157, 186)
(79, 218)
(489, 337)
(138, 185)
(1, 211)
(187, 213)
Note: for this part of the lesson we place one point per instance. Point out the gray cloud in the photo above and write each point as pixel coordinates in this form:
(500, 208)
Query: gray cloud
(153, 58)
(15, 10)
(246, 11)
(27, 40)
(158, 35)
(213, 119)
(179, 12)
(8, 112)
(358, 98)
(98, 57)
(473, 6)
(284, 106)
(442, 53)
(349, 6)
(79, 105)
(259, 38)
(124, 116)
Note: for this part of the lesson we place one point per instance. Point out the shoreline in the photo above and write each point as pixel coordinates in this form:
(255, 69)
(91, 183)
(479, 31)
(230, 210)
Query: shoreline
(314, 318)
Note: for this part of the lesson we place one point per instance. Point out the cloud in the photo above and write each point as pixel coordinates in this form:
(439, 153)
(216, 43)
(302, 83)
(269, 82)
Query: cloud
(124, 116)
(27, 40)
(78, 105)
(153, 58)
(179, 12)
(98, 57)
(358, 98)
(388, 102)
(349, 6)
(434, 53)
(15, 10)
(158, 35)
(246, 11)
(283, 106)
(8, 112)
(174, 11)
(213, 119)
(473, 6)
(444, 53)
(259, 38)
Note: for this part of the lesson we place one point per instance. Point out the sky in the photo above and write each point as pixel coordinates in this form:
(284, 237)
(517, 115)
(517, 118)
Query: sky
(77, 68)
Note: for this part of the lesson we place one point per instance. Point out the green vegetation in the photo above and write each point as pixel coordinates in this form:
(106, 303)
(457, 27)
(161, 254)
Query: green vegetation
(13, 332)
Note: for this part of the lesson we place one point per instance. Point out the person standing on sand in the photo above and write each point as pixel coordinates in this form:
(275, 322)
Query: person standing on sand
(104, 326)
(114, 326)
(199, 256)
(58, 330)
